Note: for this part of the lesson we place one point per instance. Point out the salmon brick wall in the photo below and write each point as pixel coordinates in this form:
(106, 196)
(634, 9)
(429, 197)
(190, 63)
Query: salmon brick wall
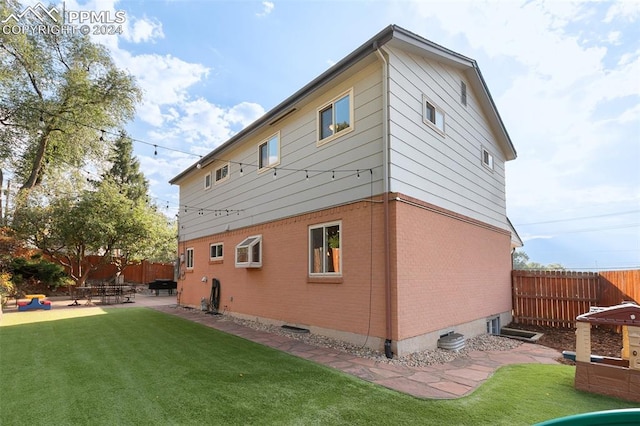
(446, 271)
(282, 290)
(449, 270)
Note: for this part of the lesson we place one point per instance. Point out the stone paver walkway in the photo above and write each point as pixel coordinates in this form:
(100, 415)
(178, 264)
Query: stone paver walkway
(457, 378)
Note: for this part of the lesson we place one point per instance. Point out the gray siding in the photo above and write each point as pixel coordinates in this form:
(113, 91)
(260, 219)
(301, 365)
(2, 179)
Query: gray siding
(445, 170)
(261, 198)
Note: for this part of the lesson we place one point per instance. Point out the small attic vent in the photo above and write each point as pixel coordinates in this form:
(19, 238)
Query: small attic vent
(452, 342)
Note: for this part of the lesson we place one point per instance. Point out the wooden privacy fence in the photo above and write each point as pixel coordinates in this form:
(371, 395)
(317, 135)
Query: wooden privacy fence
(140, 273)
(556, 298)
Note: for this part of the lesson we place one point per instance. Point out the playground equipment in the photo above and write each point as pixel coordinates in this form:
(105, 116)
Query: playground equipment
(617, 377)
(37, 301)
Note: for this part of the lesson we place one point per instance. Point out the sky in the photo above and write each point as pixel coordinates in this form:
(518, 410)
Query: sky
(565, 77)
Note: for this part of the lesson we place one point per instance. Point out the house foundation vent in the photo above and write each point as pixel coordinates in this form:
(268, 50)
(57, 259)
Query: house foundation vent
(452, 342)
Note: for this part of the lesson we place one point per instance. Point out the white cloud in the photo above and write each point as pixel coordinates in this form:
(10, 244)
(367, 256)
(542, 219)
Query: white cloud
(165, 80)
(552, 103)
(628, 10)
(267, 9)
(244, 113)
(138, 30)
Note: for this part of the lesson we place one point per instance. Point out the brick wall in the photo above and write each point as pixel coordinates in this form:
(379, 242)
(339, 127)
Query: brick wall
(281, 290)
(446, 271)
(450, 270)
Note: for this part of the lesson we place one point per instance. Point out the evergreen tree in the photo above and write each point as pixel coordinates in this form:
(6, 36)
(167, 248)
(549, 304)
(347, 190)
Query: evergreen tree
(125, 170)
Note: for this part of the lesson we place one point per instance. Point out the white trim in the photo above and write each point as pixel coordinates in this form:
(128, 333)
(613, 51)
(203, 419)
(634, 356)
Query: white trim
(187, 257)
(266, 141)
(464, 93)
(325, 244)
(437, 110)
(216, 257)
(331, 103)
(487, 159)
(248, 244)
(223, 179)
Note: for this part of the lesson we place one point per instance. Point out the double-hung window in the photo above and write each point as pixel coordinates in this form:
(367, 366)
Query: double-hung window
(325, 257)
(216, 251)
(222, 173)
(335, 118)
(487, 159)
(189, 259)
(433, 115)
(249, 252)
(269, 152)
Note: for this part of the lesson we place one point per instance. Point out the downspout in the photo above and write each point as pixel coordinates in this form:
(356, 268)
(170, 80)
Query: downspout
(385, 183)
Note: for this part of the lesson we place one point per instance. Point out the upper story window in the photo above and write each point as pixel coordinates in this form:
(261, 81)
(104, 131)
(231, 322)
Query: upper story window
(249, 252)
(269, 152)
(189, 259)
(463, 93)
(216, 251)
(222, 173)
(487, 159)
(324, 249)
(207, 181)
(335, 118)
(433, 115)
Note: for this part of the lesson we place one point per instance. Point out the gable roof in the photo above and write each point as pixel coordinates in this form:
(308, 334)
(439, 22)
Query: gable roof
(394, 36)
(623, 314)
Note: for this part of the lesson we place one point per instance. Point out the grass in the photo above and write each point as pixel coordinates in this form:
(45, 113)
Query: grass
(138, 366)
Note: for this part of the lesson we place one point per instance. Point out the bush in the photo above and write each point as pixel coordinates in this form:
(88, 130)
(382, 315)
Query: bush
(37, 275)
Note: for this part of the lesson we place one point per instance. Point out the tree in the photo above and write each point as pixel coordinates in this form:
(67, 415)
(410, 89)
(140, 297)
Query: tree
(521, 261)
(125, 170)
(36, 275)
(58, 92)
(101, 221)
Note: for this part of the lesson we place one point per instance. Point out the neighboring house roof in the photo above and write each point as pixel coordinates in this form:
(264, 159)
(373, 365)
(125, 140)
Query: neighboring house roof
(516, 241)
(394, 36)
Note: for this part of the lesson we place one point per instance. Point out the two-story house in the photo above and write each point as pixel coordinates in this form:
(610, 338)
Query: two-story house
(368, 206)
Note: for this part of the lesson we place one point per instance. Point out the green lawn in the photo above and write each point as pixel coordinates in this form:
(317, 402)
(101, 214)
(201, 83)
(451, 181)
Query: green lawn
(138, 366)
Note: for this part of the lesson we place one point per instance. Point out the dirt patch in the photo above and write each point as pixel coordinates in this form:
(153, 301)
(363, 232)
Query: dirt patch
(603, 342)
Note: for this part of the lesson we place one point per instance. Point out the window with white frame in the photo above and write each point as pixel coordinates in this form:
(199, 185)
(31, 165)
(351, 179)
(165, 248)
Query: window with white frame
(207, 181)
(249, 252)
(216, 251)
(487, 159)
(325, 257)
(463, 93)
(189, 258)
(432, 114)
(335, 117)
(222, 173)
(269, 152)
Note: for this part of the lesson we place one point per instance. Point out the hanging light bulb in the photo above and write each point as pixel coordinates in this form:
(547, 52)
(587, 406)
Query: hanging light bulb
(155, 150)
(358, 174)
(275, 172)
(41, 119)
(241, 172)
(102, 136)
(307, 174)
(333, 175)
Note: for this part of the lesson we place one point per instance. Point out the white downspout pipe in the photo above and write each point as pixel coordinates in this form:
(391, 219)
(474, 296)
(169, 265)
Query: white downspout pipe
(385, 191)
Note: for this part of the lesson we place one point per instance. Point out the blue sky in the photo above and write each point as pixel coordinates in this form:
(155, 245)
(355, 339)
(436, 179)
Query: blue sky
(564, 75)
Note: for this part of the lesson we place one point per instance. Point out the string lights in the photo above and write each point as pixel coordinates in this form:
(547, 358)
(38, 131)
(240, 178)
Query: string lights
(242, 166)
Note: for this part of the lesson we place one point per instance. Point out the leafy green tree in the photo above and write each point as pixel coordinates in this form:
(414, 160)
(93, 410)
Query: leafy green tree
(58, 91)
(521, 261)
(102, 222)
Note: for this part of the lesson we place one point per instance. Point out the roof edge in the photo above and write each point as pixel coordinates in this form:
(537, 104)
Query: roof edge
(364, 50)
